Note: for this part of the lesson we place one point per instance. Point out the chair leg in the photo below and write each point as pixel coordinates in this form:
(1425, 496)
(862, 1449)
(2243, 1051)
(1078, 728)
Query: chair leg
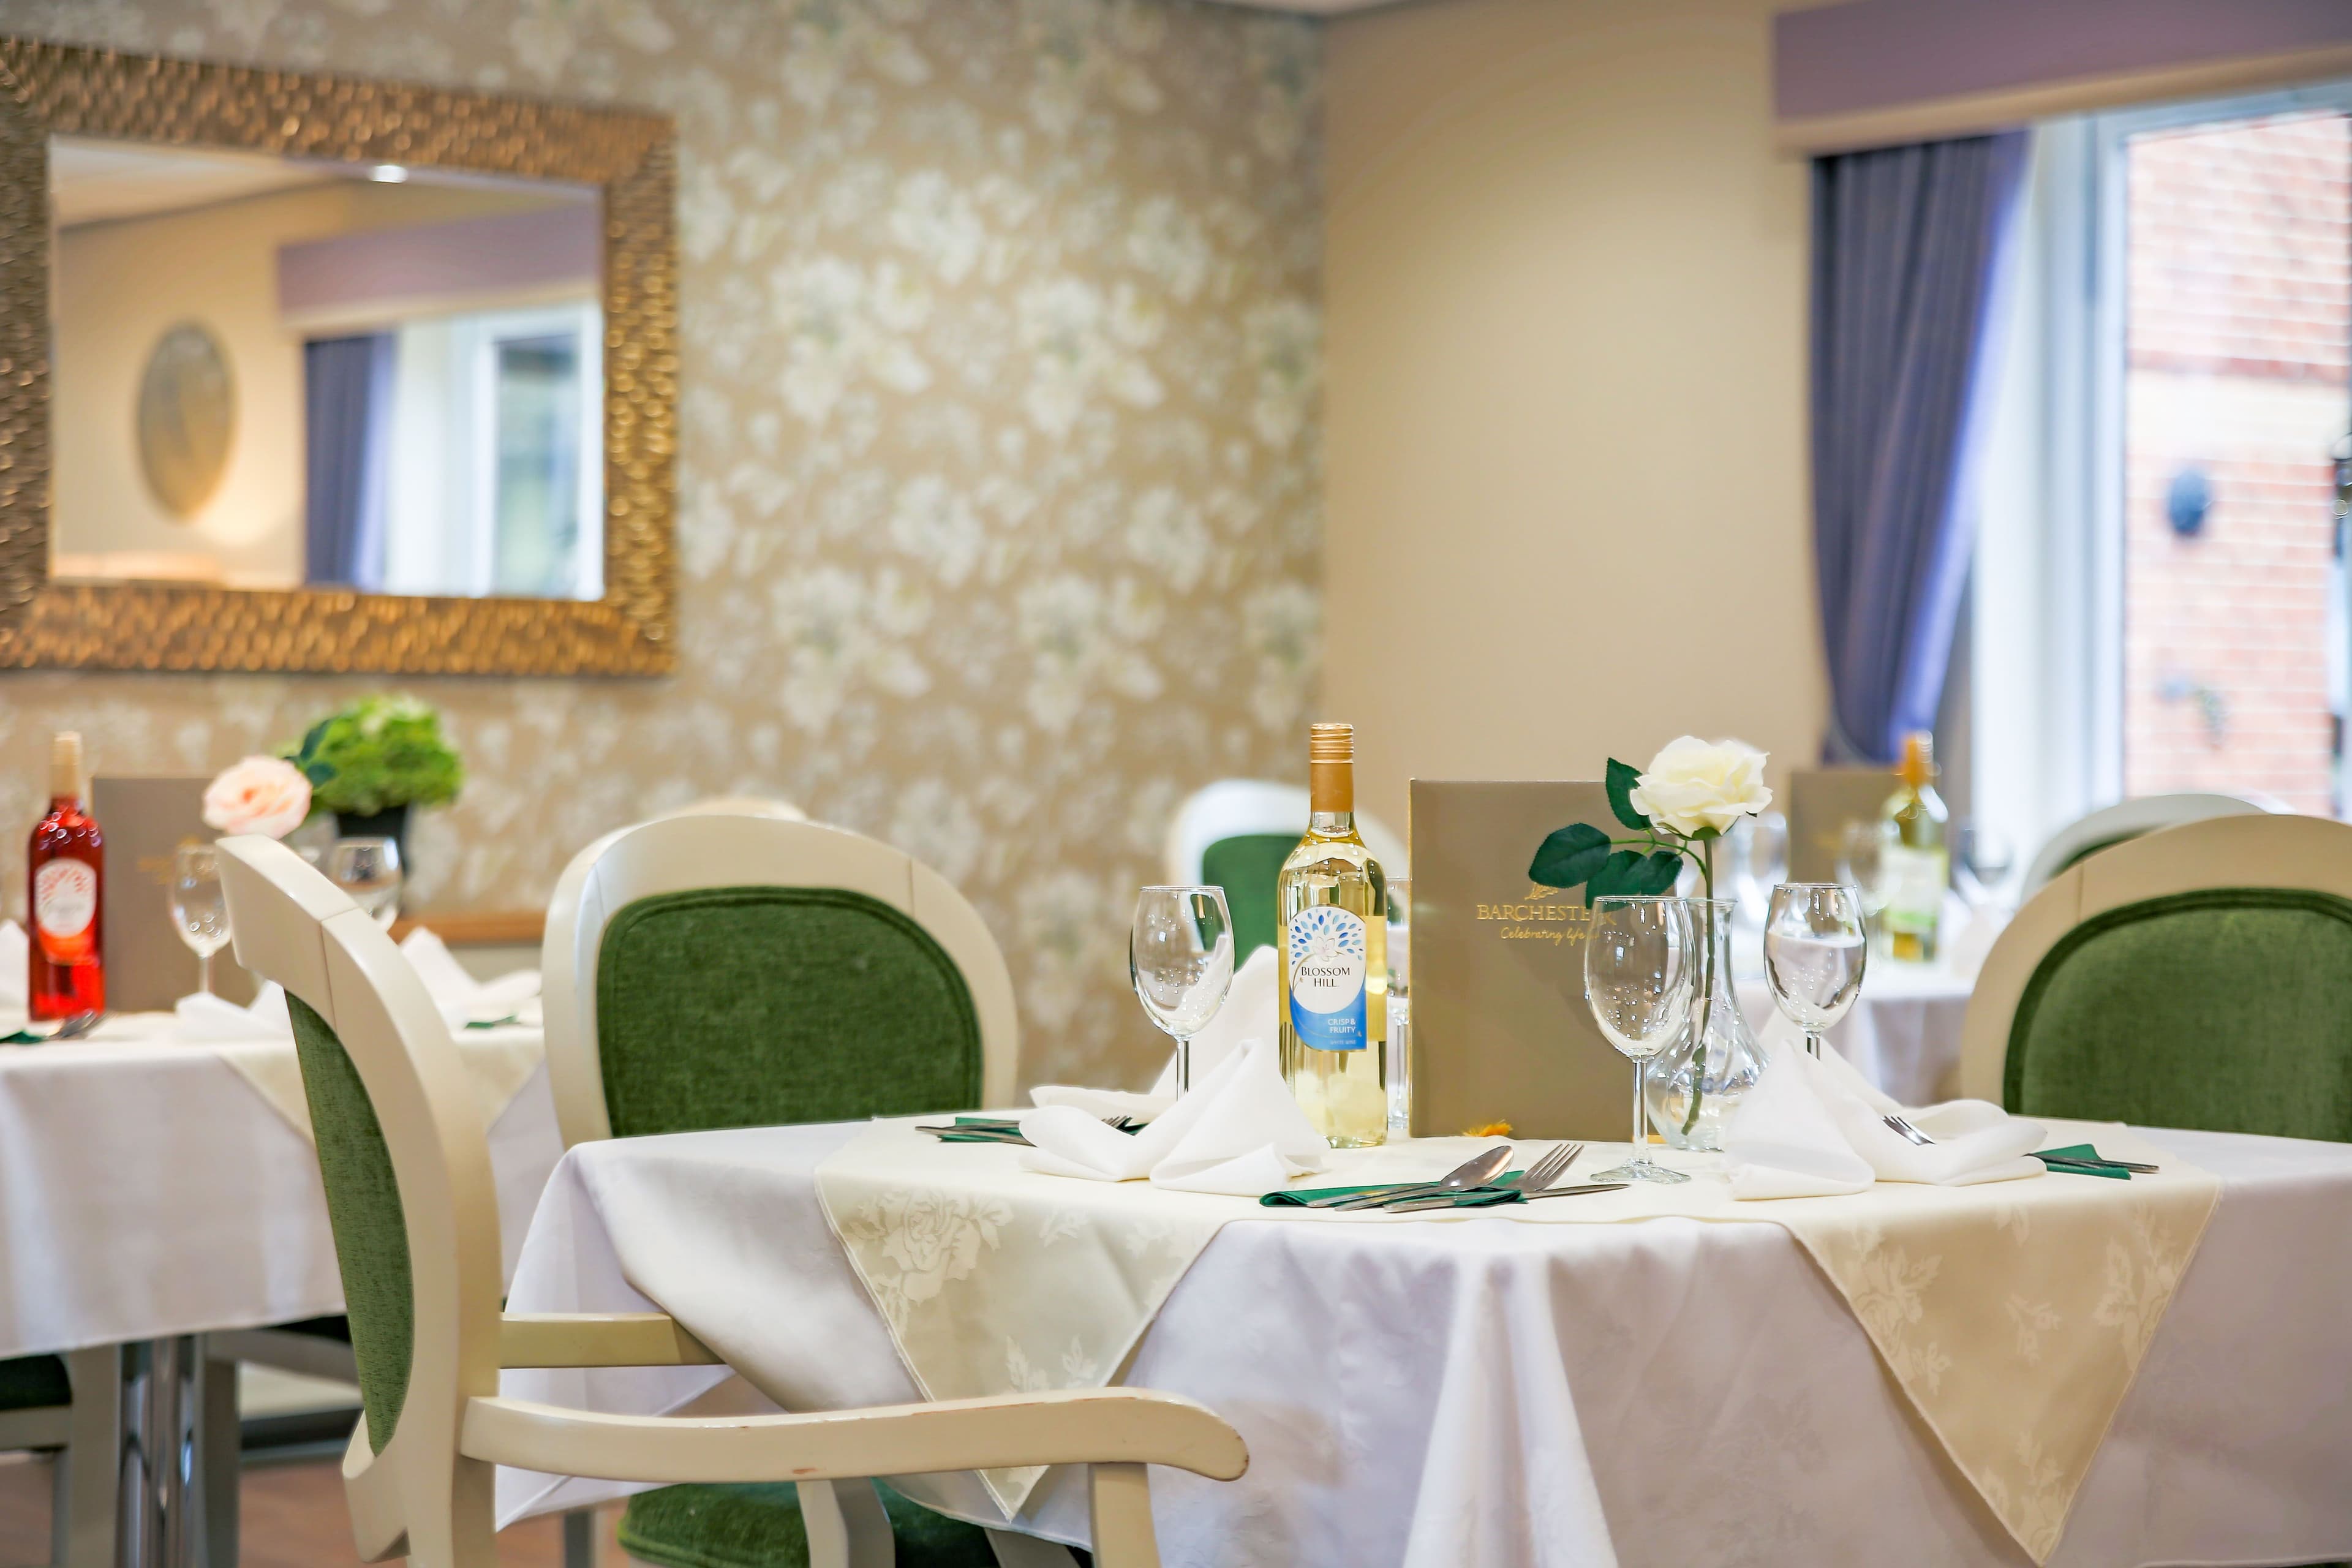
(1121, 1498)
(846, 1525)
(1028, 1551)
(89, 1495)
(219, 1459)
(580, 1538)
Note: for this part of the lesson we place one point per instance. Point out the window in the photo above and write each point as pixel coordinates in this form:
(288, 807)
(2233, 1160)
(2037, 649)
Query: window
(2159, 589)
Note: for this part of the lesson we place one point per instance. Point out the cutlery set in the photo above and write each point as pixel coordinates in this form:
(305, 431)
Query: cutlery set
(1474, 1184)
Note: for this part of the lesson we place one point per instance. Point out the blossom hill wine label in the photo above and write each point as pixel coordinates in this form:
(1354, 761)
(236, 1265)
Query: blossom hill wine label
(1332, 897)
(65, 866)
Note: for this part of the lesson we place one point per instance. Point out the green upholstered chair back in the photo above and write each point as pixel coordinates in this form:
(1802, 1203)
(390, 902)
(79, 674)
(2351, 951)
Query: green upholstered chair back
(1246, 866)
(2224, 1008)
(750, 1007)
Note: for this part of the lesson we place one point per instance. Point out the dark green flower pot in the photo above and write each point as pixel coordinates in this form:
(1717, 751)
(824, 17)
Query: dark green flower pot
(391, 823)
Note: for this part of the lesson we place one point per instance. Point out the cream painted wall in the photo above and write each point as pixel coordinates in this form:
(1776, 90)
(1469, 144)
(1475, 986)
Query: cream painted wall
(1566, 494)
(121, 285)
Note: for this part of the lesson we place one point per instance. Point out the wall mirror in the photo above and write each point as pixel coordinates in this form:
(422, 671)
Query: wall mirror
(309, 372)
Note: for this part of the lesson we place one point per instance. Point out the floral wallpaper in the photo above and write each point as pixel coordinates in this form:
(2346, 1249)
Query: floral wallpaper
(998, 511)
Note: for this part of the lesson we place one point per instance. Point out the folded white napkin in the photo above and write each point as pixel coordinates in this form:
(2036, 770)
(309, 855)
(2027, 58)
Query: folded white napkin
(1238, 1132)
(206, 1018)
(16, 952)
(1967, 947)
(463, 999)
(1248, 1014)
(1811, 1128)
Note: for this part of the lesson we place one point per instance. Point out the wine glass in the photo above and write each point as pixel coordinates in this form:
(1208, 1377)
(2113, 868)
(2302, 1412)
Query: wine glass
(369, 870)
(1759, 859)
(1641, 974)
(1858, 867)
(1400, 1006)
(198, 908)
(1816, 946)
(1179, 954)
(1983, 862)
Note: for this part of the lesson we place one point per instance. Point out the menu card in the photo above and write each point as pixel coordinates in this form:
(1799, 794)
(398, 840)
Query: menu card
(148, 967)
(1500, 1029)
(1821, 801)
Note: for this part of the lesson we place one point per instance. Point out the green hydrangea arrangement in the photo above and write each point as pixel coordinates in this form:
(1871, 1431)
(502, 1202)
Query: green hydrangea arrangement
(377, 753)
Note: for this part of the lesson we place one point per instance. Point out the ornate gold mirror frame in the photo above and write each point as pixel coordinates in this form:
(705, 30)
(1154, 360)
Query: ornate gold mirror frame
(136, 626)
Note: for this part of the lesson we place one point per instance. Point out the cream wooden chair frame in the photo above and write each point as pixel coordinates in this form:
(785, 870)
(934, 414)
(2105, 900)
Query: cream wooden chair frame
(1232, 807)
(427, 1494)
(2126, 820)
(677, 854)
(2261, 850)
(87, 1436)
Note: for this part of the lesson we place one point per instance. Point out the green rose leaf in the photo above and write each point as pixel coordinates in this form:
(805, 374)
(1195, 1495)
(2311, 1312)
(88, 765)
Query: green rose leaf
(1622, 777)
(1657, 874)
(1570, 856)
(1614, 878)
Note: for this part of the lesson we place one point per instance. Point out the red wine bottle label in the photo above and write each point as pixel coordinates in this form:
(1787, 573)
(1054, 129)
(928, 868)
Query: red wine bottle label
(65, 910)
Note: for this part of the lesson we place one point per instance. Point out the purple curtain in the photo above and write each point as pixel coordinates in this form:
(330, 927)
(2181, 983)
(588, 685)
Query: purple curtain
(1908, 246)
(347, 401)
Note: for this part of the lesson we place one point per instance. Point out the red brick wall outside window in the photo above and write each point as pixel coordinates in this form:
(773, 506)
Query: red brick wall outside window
(2237, 326)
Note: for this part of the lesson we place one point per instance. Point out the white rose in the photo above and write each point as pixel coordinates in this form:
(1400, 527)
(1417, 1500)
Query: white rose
(267, 796)
(1694, 784)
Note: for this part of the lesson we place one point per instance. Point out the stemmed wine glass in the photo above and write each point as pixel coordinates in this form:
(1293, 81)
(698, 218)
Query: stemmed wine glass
(1982, 865)
(1640, 976)
(1816, 946)
(1179, 954)
(198, 908)
(369, 870)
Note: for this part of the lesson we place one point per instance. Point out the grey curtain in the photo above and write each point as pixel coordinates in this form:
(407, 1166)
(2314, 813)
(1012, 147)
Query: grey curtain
(347, 399)
(1908, 250)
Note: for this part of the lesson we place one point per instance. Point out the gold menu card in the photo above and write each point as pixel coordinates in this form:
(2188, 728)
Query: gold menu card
(1822, 803)
(1500, 1029)
(148, 967)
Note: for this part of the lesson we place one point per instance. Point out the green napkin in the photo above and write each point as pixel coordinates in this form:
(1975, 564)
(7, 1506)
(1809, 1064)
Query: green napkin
(2081, 1160)
(21, 1037)
(1468, 1198)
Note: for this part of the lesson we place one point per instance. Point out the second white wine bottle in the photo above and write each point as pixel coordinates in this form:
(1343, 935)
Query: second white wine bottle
(1332, 897)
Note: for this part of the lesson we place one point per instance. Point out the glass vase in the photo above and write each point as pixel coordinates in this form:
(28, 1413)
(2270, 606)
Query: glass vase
(1695, 1084)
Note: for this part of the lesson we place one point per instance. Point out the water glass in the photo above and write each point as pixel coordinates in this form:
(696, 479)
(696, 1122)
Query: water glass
(1816, 946)
(1179, 954)
(1759, 851)
(1858, 867)
(368, 869)
(1982, 862)
(1640, 977)
(198, 908)
(1400, 1006)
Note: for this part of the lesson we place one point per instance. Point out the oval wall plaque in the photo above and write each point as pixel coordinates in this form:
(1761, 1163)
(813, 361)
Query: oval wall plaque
(187, 418)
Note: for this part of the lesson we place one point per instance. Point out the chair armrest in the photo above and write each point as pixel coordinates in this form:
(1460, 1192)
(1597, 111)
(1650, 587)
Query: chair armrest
(598, 1339)
(1100, 1426)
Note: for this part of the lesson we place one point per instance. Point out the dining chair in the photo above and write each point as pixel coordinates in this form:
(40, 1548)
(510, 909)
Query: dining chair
(857, 983)
(2197, 977)
(741, 805)
(405, 1163)
(71, 1405)
(1236, 834)
(2124, 821)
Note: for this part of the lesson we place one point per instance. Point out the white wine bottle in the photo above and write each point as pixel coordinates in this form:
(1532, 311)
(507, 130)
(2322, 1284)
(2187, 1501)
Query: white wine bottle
(1915, 867)
(1333, 901)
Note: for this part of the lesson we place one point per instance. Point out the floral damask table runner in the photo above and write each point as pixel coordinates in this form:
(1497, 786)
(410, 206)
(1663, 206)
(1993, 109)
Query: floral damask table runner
(2012, 1314)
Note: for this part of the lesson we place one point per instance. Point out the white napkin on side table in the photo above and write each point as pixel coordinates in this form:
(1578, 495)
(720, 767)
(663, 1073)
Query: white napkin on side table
(1811, 1129)
(1239, 1131)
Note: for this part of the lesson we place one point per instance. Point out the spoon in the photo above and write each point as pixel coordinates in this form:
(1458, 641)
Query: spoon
(1472, 1173)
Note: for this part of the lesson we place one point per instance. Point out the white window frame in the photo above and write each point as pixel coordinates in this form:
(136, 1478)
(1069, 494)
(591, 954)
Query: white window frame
(2046, 647)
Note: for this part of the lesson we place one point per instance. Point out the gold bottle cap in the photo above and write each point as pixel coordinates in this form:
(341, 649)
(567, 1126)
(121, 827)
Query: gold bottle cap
(1918, 764)
(1331, 767)
(1330, 742)
(65, 764)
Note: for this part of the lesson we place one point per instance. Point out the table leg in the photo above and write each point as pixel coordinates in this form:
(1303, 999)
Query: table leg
(219, 1458)
(580, 1538)
(160, 1441)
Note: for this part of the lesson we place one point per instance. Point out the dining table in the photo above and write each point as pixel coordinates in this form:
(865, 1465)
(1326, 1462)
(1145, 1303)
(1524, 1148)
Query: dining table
(157, 1189)
(1467, 1386)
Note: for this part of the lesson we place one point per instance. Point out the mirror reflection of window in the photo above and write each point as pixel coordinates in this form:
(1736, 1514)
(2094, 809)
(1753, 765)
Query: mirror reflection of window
(417, 355)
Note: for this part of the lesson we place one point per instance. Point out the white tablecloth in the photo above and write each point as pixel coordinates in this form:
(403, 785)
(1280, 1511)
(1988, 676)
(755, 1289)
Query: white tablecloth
(1904, 1034)
(1476, 1391)
(147, 1189)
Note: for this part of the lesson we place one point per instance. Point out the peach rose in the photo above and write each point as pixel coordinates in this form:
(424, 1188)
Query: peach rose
(267, 796)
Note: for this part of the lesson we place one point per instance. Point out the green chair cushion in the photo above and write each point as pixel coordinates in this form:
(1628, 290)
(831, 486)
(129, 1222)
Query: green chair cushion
(34, 1382)
(759, 1526)
(756, 1007)
(2225, 1008)
(364, 1209)
(1247, 866)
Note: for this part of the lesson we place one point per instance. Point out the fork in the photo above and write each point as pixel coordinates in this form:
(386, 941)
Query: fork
(1896, 1120)
(1527, 1183)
